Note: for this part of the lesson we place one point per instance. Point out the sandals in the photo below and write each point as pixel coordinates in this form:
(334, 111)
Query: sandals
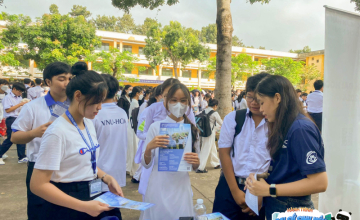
(217, 167)
(202, 171)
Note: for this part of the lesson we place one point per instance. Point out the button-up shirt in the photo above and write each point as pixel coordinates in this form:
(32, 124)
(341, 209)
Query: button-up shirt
(35, 92)
(9, 101)
(251, 154)
(315, 102)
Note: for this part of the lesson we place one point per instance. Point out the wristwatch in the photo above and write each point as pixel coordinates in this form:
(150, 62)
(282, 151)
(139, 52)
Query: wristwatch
(272, 190)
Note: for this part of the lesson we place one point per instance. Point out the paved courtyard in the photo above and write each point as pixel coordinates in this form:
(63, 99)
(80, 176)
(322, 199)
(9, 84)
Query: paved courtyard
(13, 190)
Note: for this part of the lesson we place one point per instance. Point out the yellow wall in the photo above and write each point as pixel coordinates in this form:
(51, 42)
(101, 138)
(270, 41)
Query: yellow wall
(313, 60)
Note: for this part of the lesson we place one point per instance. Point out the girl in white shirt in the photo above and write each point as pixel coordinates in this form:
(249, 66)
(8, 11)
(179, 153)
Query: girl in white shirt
(65, 169)
(133, 141)
(208, 143)
(170, 191)
(240, 103)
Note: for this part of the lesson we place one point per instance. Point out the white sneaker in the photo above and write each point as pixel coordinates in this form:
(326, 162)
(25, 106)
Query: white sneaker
(24, 160)
(4, 156)
(2, 162)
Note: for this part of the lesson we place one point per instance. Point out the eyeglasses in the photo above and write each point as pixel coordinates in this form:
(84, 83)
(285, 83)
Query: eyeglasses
(250, 99)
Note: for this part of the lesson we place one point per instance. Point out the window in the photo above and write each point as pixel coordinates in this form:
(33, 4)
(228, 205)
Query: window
(104, 46)
(205, 74)
(127, 71)
(186, 73)
(313, 58)
(317, 61)
(167, 72)
(127, 48)
(141, 51)
(256, 59)
(147, 71)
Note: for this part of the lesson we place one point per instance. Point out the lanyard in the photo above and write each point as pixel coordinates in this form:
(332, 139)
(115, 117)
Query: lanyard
(91, 148)
(60, 108)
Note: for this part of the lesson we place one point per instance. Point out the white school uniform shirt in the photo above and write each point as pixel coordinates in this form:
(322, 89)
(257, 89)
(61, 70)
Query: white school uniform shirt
(9, 101)
(214, 117)
(251, 153)
(59, 152)
(169, 191)
(33, 115)
(2, 96)
(111, 130)
(204, 104)
(241, 105)
(315, 102)
(35, 92)
(142, 108)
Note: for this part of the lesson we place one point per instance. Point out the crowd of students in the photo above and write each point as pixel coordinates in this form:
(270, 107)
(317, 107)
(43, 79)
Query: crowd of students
(87, 131)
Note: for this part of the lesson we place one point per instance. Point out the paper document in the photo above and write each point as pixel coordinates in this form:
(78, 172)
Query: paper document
(215, 216)
(172, 158)
(116, 201)
(251, 200)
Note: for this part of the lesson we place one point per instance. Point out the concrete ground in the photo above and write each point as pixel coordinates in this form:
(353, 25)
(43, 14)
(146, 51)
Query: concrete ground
(13, 190)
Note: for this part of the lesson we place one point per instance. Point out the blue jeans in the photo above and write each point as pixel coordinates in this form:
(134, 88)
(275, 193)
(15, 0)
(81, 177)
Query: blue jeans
(281, 204)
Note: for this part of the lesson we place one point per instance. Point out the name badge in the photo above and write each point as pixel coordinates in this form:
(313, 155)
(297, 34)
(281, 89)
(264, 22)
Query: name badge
(95, 187)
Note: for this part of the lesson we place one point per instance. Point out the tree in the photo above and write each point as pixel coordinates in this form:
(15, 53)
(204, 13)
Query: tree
(123, 24)
(55, 37)
(308, 75)
(7, 57)
(54, 9)
(145, 27)
(126, 5)
(15, 27)
(306, 49)
(287, 67)
(112, 62)
(78, 10)
(237, 42)
(262, 48)
(173, 43)
(357, 4)
(208, 34)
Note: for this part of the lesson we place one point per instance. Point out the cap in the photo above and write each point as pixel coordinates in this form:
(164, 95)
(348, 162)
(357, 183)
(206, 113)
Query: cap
(199, 201)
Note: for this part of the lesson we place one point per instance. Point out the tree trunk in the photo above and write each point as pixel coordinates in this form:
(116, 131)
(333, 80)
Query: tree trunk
(114, 72)
(223, 57)
(175, 64)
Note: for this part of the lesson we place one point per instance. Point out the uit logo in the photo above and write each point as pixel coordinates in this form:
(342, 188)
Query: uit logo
(309, 214)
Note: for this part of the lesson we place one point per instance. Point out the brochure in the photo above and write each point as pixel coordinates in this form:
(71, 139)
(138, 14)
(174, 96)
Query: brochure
(171, 159)
(116, 201)
(215, 216)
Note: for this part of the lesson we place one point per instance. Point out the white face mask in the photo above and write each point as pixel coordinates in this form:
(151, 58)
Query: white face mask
(177, 109)
(130, 92)
(4, 88)
(141, 96)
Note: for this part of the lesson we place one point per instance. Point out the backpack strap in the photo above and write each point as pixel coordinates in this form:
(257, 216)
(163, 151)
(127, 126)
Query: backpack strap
(240, 120)
(209, 114)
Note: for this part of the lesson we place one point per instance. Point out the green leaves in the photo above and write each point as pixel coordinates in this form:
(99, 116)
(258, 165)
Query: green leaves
(287, 67)
(306, 49)
(126, 5)
(357, 4)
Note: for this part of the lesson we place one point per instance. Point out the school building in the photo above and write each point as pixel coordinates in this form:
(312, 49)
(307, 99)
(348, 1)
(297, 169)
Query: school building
(191, 75)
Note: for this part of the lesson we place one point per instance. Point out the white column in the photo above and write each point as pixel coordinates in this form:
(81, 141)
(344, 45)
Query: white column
(253, 57)
(121, 46)
(115, 44)
(341, 127)
(199, 77)
(180, 71)
(89, 66)
(154, 72)
(32, 68)
(160, 71)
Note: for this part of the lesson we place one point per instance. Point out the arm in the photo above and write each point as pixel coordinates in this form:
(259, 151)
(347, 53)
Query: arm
(40, 185)
(111, 182)
(314, 183)
(13, 108)
(24, 137)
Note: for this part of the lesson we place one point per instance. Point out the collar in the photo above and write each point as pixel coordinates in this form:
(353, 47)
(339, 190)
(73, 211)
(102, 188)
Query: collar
(27, 86)
(170, 120)
(248, 113)
(108, 104)
(50, 101)
(318, 91)
(13, 95)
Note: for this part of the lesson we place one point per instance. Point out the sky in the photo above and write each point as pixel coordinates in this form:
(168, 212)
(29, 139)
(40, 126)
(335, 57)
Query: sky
(281, 25)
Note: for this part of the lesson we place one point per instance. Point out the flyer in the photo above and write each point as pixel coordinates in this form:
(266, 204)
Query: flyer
(171, 159)
(116, 201)
(215, 216)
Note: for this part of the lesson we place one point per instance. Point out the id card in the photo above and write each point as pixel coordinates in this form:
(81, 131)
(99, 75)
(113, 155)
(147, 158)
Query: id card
(95, 187)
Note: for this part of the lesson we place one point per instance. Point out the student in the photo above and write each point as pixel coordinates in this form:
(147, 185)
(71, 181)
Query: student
(315, 103)
(12, 104)
(65, 173)
(133, 141)
(304, 98)
(296, 147)
(35, 92)
(143, 174)
(170, 191)
(241, 155)
(299, 92)
(196, 102)
(156, 92)
(4, 87)
(111, 130)
(33, 120)
(205, 101)
(208, 143)
(124, 101)
(233, 101)
(145, 97)
(27, 83)
(240, 102)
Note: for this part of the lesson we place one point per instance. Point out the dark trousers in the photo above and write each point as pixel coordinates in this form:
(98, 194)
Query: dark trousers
(226, 205)
(35, 203)
(317, 117)
(7, 143)
(78, 190)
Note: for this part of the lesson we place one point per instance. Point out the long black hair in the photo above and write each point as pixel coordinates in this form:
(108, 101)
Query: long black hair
(286, 113)
(185, 90)
(240, 97)
(135, 90)
(155, 93)
(89, 83)
(123, 93)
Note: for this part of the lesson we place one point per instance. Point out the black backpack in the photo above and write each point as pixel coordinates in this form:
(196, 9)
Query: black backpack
(202, 121)
(240, 120)
(134, 118)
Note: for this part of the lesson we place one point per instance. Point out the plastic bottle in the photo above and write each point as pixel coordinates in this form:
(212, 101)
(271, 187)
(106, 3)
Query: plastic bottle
(199, 209)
